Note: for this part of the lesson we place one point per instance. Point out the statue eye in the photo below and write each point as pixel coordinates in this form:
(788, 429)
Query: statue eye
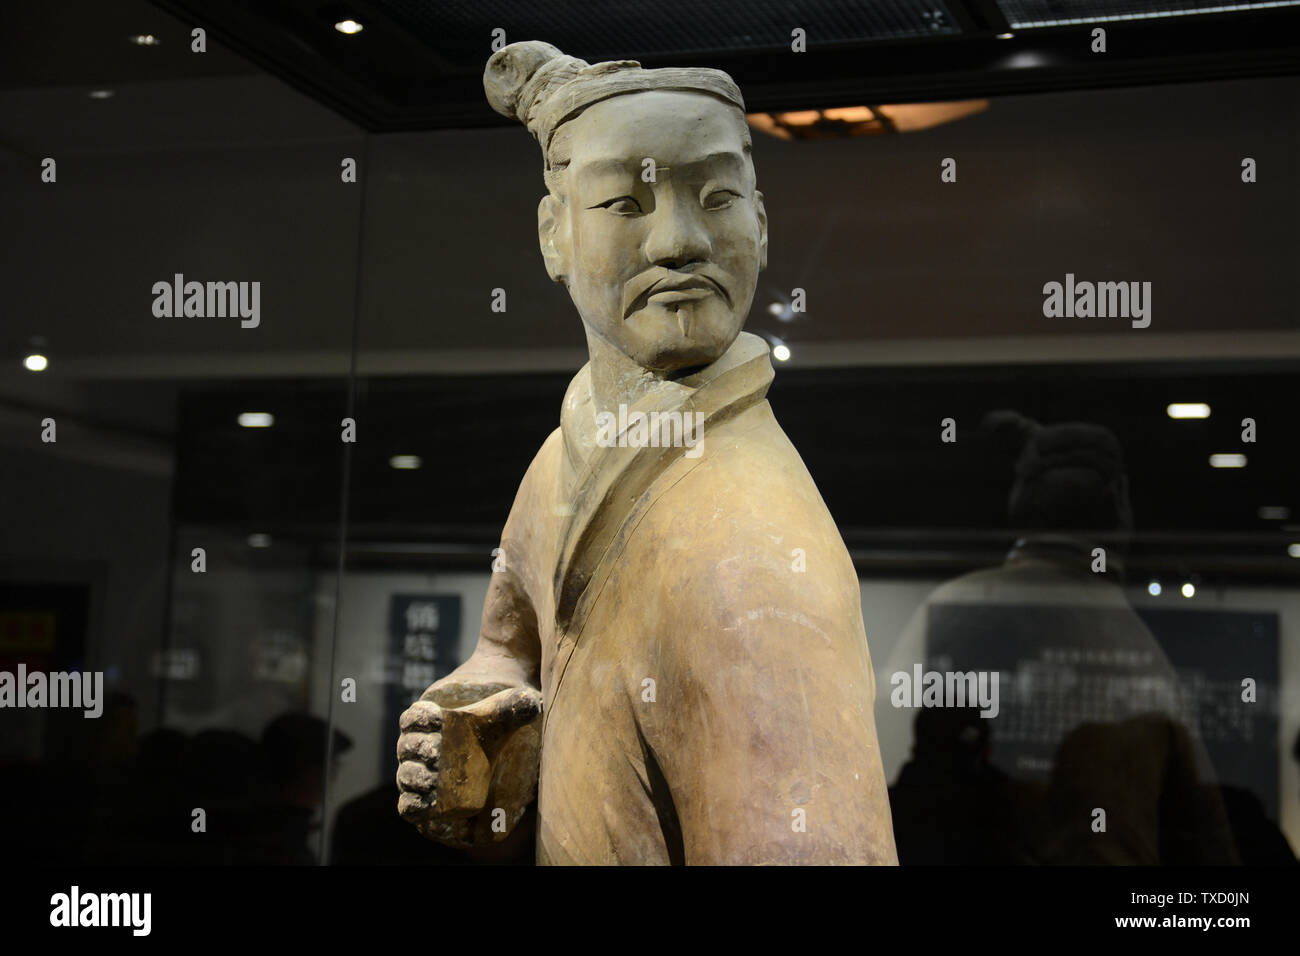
(622, 206)
(720, 199)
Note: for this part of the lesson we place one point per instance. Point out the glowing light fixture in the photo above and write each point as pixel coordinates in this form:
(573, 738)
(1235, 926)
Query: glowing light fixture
(842, 121)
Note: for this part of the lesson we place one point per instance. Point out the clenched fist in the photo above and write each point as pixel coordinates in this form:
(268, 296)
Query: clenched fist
(468, 760)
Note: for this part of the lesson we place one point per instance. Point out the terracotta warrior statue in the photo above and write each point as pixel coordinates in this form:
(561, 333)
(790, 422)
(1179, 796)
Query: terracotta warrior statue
(671, 656)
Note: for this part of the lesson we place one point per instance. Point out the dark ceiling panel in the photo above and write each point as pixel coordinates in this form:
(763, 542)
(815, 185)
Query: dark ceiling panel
(629, 29)
(418, 66)
(1051, 13)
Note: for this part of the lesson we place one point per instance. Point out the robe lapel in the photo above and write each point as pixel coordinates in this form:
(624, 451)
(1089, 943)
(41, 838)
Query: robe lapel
(618, 485)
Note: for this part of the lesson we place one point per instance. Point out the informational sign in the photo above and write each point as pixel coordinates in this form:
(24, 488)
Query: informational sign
(423, 646)
(1064, 666)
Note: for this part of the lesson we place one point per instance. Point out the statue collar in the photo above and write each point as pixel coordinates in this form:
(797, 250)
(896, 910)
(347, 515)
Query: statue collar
(578, 414)
(607, 487)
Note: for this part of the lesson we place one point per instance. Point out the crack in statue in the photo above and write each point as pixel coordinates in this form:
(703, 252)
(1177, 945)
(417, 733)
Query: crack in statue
(672, 656)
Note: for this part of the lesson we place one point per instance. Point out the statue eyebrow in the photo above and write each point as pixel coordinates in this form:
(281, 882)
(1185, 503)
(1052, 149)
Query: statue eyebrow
(728, 156)
(597, 166)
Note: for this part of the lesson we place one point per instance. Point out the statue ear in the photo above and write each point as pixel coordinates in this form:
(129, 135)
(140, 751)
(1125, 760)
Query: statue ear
(553, 236)
(762, 229)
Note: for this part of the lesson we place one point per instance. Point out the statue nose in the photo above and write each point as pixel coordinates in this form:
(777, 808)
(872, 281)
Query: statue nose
(677, 237)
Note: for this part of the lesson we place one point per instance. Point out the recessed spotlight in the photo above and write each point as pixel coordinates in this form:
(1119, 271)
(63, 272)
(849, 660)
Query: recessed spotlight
(1154, 589)
(405, 462)
(100, 94)
(259, 540)
(1227, 461)
(144, 39)
(35, 362)
(1293, 550)
(349, 27)
(1274, 513)
(1188, 410)
(1189, 590)
(256, 419)
(1005, 36)
(776, 308)
(781, 353)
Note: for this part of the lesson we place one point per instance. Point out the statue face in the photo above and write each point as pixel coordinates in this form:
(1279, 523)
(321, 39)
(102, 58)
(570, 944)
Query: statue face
(664, 270)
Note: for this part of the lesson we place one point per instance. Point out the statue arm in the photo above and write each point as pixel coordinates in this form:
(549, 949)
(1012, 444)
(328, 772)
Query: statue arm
(508, 652)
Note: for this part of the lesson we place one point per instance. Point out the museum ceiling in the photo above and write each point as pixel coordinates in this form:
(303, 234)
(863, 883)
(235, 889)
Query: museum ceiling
(417, 65)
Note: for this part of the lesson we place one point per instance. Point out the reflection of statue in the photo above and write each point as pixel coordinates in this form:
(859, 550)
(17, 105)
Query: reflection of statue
(675, 599)
(1090, 716)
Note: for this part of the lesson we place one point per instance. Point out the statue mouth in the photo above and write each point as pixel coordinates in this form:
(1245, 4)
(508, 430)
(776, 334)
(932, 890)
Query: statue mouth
(667, 287)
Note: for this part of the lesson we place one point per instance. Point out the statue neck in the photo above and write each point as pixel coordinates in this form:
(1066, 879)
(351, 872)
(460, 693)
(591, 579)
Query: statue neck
(615, 378)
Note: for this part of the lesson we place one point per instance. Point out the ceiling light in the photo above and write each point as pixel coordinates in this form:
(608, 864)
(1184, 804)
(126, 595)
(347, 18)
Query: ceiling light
(256, 419)
(1154, 589)
(100, 94)
(1227, 461)
(1274, 513)
(849, 114)
(842, 121)
(781, 353)
(1005, 36)
(144, 39)
(776, 308)
(259, 540)
(1189, 590)
(1188, 410)
(35, 362)
(1293, 550)
(405, 462)
(349, 27)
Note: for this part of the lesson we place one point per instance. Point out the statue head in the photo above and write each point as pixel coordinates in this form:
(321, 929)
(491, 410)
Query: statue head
(651, 220)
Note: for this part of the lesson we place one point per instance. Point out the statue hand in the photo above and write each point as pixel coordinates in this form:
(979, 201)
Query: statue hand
(458, 746)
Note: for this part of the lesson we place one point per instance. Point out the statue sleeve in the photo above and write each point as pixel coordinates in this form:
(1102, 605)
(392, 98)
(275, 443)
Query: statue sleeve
(763, 728)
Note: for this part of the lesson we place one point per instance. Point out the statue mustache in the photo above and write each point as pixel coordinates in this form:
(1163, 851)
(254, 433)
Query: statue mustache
(641, 287)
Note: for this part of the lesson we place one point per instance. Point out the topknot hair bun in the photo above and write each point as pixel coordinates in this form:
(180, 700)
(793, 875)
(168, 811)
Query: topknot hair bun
(509, 70)
(542, 87)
